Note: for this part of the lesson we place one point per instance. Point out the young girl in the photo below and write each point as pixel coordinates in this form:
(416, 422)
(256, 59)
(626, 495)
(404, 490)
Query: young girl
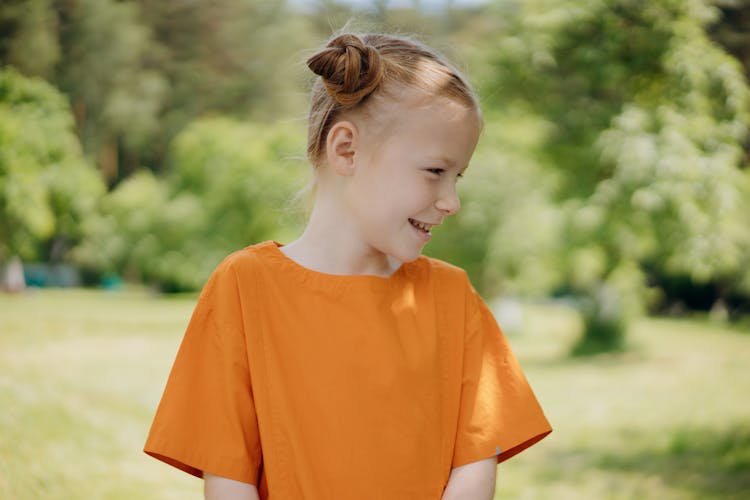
(344, 365)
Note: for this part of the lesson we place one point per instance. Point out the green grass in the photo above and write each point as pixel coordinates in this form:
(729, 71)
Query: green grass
(81, 373)
(669, 419)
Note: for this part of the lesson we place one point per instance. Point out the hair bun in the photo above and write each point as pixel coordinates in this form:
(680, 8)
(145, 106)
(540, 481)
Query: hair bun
(351, 70)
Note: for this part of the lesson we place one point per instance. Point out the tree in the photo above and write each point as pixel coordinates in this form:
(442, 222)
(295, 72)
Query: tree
(732, 29)
(29, 36)
(110, 71)
(46, 187)
(645, 121)
(508, 226)
(138, 72)
(230, 184)
(242, 59)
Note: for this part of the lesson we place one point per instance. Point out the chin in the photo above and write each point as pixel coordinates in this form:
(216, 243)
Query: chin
(406, 256)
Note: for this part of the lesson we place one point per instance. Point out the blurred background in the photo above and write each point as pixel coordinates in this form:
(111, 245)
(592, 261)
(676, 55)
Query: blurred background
(605, 216)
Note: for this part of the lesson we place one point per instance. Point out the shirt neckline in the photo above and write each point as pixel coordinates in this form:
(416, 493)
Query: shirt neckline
(274, 250)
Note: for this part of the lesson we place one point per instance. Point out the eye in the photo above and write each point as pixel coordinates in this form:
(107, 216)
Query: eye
(436, 171)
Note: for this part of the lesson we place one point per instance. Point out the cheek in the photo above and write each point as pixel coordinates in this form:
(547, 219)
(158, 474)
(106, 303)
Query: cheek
(384, 187)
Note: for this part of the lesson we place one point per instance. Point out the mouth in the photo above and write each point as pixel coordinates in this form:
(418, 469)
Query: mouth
(422, 226)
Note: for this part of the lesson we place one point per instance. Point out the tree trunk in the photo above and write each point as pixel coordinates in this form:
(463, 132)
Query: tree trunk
(604, 323)
(13, 279)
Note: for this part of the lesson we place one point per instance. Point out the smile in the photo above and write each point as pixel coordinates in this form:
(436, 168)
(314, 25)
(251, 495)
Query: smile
(422, 226)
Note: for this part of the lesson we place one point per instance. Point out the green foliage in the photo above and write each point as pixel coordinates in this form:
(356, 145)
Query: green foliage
(646, 121)
(46, 187)
(228, 187)
(109, 72)
(611, 157)
(246, 176)
(604, 322)
(138, 72)
(28, 36)
(236, 58)
(130, 220)
(506, 234)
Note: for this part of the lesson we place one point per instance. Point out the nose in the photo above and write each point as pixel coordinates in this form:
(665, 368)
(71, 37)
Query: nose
(448, 202)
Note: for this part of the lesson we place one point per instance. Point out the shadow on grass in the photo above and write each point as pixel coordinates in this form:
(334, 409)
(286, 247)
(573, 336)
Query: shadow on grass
(710, 463)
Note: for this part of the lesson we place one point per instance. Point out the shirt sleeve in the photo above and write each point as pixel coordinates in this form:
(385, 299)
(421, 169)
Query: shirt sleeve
(206, 420)
(499, 414)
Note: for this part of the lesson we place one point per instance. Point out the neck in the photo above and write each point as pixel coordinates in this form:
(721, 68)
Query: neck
(332, 244)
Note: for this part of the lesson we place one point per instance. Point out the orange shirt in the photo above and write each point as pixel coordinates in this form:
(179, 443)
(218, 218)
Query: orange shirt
(321, 386)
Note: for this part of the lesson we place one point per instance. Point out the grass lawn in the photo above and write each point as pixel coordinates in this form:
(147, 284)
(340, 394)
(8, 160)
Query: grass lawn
(81, 373)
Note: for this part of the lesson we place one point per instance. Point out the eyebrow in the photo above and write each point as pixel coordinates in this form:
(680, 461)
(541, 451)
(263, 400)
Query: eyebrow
(442, 159)
(447, 161)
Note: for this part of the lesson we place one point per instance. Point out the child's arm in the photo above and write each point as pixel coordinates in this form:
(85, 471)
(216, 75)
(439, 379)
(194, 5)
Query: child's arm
(474, 481)
(221, 488)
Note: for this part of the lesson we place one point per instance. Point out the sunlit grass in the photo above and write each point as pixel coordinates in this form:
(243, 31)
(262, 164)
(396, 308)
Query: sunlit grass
(81, 373)
(668, 419)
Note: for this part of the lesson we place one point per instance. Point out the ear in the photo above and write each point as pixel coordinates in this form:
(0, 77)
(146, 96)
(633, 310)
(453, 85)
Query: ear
(341, 144)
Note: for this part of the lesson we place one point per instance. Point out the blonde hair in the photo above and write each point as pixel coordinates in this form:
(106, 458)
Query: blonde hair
(352, 68)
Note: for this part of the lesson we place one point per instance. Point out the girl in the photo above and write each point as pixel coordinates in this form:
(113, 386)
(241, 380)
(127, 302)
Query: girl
(344, 365)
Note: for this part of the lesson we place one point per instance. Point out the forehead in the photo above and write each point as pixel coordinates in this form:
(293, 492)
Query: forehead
(393, 100)
(426, 123)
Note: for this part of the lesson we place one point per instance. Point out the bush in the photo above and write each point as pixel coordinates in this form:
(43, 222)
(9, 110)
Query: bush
(230, 185)
(47, 189)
